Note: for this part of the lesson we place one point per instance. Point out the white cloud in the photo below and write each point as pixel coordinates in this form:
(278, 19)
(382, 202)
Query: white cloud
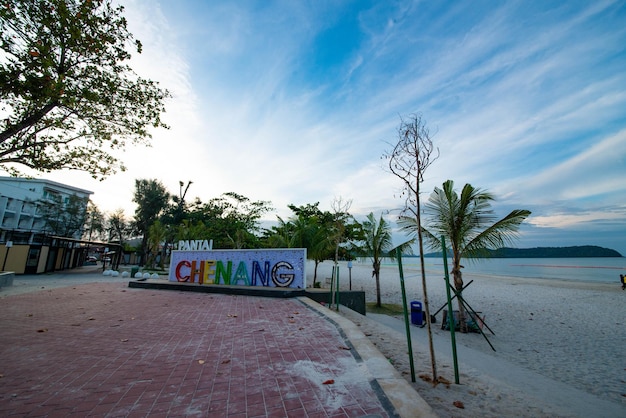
(561, 220)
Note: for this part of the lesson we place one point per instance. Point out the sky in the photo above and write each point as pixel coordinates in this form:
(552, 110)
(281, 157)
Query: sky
(295, 102)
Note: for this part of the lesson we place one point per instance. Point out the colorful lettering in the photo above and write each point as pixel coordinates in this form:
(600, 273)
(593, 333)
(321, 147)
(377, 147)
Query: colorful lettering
(196, 272)
(241, 274)
(269, 267)
(264, 276)
(209, 270)
(283, 279)
(179, 275)
(225, 275)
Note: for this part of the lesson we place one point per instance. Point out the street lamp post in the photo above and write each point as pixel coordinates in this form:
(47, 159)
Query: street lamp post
(350, 272)
(8, 245)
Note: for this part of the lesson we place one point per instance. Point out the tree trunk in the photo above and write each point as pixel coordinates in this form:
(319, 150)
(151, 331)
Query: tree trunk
(315, 273)
(376, 273)
(433, 362)
(163, 255)
(458, 286)
(144, 247)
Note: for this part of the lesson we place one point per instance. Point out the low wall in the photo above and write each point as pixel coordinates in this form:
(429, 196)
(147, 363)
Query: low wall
(6, 278)
(352, 299)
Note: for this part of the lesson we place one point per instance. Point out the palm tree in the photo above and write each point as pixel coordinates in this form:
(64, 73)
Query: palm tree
(377, 244)
(468, 223)
(156, 237)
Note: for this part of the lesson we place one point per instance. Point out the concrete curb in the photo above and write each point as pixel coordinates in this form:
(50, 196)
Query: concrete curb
(406, 401)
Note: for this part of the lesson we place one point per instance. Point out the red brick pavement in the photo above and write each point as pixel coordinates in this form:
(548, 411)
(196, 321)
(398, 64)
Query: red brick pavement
(103, 349)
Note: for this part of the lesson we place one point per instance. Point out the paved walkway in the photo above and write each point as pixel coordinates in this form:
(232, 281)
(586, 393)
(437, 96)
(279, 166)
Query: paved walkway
(103, 349)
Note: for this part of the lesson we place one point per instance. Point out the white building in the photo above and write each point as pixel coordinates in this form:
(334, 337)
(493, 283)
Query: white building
(18, 202)
(25, 244)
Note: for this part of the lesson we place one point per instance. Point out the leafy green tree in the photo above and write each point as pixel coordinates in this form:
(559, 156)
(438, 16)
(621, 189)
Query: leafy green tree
(322, 233)
(308, 228)
(310, 210)
(278, 236)
(152, 199)
(64, 217)
(65, 86)
(468, 223)
(311, 233)
(189, 229)
(231, 220)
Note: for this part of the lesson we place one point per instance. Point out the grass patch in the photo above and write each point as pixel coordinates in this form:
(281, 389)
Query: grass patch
(385, 309)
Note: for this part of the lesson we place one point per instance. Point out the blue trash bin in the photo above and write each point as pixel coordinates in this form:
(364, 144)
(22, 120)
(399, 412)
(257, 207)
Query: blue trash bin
(417, 315)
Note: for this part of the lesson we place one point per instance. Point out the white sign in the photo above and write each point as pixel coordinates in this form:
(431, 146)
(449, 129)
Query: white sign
(271, 268)
(195, 245)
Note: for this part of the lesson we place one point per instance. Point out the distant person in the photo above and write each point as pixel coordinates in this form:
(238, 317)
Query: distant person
(622, 280)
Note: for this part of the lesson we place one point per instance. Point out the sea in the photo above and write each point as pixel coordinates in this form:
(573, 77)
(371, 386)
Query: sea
(592, 269)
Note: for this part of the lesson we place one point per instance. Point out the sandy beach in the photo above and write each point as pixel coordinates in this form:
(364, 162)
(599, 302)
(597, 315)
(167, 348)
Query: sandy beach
(559, 345)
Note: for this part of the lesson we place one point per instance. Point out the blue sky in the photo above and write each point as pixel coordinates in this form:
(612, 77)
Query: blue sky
(296, 102)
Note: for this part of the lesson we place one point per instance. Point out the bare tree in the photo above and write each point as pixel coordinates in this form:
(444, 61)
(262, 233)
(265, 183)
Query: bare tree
(408, 160)
(338, 236)
(340, 209)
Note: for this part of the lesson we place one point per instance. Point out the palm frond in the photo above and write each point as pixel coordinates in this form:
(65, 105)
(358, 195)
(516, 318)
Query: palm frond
(408, 225)
(467, 220)
(498, 235)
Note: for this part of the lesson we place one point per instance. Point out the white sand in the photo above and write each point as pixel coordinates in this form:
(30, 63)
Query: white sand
(560, 344)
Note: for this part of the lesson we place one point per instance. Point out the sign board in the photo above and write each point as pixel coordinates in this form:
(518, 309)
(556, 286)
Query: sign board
(267, 267)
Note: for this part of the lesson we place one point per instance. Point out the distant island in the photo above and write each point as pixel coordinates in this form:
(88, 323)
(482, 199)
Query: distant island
(545, 252)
